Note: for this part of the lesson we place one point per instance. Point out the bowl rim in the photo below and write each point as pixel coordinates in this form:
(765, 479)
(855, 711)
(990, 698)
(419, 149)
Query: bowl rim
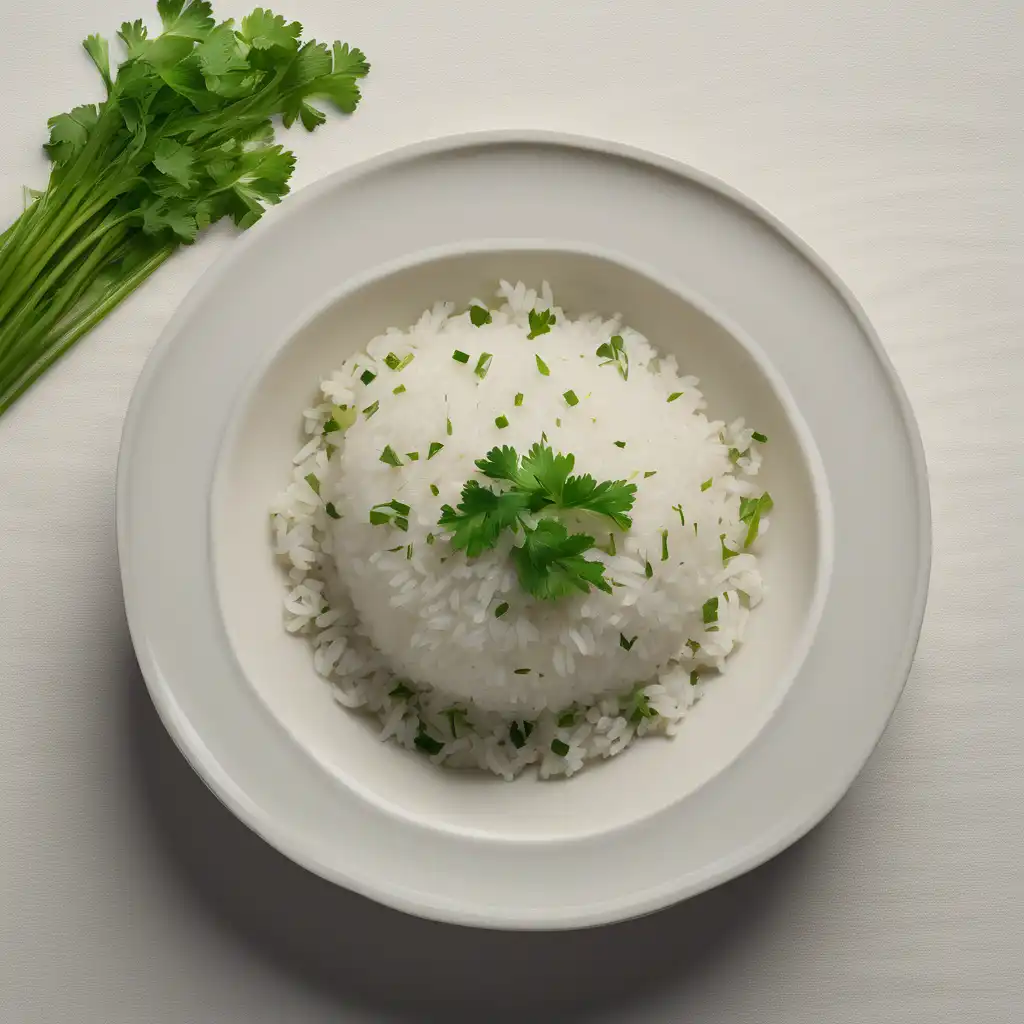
(767, 373)
(224, 787)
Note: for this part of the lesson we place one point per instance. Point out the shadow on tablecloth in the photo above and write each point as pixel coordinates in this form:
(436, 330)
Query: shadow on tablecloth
(395, 967)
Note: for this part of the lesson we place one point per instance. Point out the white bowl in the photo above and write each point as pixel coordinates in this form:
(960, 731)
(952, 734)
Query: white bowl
(215, 419)
(737, 380)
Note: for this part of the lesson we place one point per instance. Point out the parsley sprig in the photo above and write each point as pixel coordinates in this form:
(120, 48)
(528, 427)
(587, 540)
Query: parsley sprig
(550, 562)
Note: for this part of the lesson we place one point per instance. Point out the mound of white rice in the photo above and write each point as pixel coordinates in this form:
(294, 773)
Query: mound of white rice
(452, 655)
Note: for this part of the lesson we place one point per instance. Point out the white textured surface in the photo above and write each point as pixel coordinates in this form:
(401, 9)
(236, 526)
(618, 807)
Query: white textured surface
(889, 136)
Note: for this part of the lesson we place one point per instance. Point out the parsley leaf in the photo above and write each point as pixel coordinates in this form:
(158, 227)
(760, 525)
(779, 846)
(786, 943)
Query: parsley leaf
(478, 316)
(481, 516)
(751, 510)
(550, 564)
(540, 323)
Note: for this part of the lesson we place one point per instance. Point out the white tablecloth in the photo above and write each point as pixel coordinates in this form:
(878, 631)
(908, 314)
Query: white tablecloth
(888, 134)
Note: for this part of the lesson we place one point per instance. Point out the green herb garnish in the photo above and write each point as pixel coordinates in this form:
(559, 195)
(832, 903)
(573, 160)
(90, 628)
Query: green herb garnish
(540, 323)
(679, 509)
(425, 742)
(567, 719)
(626, 645)
(639, 706)
(501, 609)
(559, 747)
(501, 422)
(523, 671)
(693, 645)
(751, 510)
(757, 436)
(460, 357)
(519, 399)
(371, 409)
(543, 367)
(448, 427)
(727, 552)
(619, 444)
(650, 473)
(388, 456)
(478, 316)
(571, 399)
(709, 612)
(400, 390)
(314, 483)
(707, 484)
(367, 377)
(402, 692)
(694, 677)
(332, 511)
(675, 395)
(515, 734)
(483, 364)
(413, 456)
(664, 545)
(435, 447)
(434, 490)
(648, 569)
(613, 352)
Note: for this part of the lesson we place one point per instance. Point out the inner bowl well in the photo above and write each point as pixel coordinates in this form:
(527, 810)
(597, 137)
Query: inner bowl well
(736, 380)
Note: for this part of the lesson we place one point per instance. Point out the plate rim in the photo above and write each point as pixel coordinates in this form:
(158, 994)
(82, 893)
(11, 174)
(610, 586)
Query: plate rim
(190, 743)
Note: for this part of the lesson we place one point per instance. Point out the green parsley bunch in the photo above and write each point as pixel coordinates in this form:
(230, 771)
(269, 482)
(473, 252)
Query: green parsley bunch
(183, 138)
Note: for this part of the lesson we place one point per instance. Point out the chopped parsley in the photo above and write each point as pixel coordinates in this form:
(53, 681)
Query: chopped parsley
(679, 508)
(388, 456)
(694, 677)
(693, 645)
(727, 552)
(626, 645)
(675, 395)
(367, 377)
(758, 436)
(483, 364)
(523, 671)
(434, 490)
(650, 473)
(648, 569)
(413, 456)
(664, 545)
(501, 609)
(570, 398)
(707, 484)
(392, 362)
(709, 613)
(540, 323)
(567, 719)
(314, 482)
(515, 734)
(332, 511)
(613, 352)
(751, 510)
(638, 705)
(460, 357)
(435, 447)
(425, 742)
(519, 399)
(371, 409)
(448, 426)
(559, 747)
(619, 444)
(341, 418)
(430, 538)
(399, 390)
(402, 692)
(478, 316)
(543, 367)
(501, 422)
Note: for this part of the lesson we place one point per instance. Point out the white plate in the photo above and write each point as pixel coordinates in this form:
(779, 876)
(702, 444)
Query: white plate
(299, 771)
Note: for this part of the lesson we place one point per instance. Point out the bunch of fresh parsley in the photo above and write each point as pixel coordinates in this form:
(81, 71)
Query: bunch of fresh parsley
(550, 562)
(183, 138)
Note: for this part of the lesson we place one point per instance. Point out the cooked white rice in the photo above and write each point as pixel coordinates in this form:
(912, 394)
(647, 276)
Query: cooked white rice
(408, 629)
